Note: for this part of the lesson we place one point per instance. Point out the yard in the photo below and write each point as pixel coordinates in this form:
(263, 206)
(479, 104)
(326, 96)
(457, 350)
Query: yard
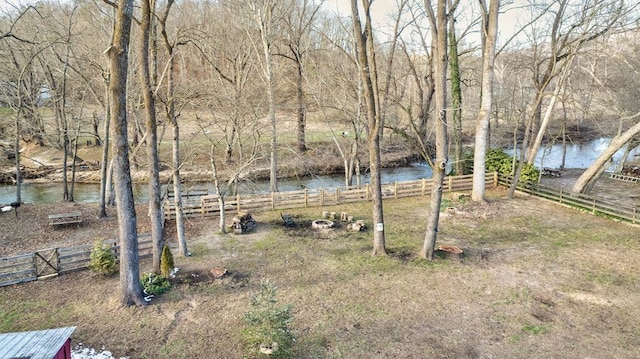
(538, 280)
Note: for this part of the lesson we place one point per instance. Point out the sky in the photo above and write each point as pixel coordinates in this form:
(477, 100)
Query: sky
(382, 12)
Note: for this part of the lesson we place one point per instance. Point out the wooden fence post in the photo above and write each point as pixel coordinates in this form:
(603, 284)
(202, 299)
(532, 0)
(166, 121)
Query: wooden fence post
(337, 195)
(306, 198)
(273, 201)
(238, 202)
(450, 183)
(321, 195)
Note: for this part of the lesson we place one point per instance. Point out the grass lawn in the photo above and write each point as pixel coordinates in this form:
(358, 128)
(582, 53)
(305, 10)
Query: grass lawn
(537, 280)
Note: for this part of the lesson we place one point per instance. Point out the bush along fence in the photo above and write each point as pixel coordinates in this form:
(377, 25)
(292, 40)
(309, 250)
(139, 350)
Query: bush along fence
(51, 262)
(581, 202)
(208, 205)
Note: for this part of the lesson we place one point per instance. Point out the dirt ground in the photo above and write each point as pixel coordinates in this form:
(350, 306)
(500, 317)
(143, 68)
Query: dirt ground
(537, 280)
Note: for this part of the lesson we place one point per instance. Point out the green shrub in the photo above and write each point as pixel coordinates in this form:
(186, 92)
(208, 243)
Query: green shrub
(102, 259)
(154, 284)
(267, 332)
(499, 161)
(166, 262)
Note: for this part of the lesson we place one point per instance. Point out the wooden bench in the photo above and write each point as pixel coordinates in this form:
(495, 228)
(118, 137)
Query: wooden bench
(65, 218)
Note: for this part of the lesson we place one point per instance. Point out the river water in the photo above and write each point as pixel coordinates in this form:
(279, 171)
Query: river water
(90, 192)
(577, 156)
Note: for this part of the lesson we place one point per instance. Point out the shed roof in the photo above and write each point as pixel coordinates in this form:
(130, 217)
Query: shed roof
(39, 344)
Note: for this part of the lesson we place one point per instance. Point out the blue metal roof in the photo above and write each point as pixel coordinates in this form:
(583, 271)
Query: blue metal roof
(39, 344)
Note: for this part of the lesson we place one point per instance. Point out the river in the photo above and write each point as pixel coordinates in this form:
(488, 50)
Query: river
(578, 156)
(90, 192)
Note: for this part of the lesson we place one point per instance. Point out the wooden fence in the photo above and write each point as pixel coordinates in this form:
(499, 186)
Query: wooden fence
(54, 261)
(582, 202)
(209, 205)
(51, 262)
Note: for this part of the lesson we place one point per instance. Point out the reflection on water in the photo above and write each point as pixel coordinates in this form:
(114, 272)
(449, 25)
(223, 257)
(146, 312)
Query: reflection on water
(578, 155)
(52, 192)
(90, 193)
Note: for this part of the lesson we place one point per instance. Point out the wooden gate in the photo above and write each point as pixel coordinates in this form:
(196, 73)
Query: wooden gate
(46, 263)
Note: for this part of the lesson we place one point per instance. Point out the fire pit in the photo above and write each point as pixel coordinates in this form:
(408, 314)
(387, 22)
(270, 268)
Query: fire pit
(451, 252)
(321, 224)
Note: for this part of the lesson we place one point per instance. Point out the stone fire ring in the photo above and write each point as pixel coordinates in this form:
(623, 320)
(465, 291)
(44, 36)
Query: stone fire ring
(321, 224)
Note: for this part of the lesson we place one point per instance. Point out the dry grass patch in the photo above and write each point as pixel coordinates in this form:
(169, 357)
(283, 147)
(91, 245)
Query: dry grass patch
(538, 280)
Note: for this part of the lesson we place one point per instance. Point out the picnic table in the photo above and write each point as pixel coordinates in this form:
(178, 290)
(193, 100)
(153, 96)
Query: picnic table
(65, 218)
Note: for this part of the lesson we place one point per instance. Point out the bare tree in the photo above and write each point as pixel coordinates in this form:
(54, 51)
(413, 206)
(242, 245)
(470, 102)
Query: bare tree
(438, 23)
(131, 289)
(172, 117)
(366, 56)
(298, 19)
(490, 34)
(262, 11)
(155, 211)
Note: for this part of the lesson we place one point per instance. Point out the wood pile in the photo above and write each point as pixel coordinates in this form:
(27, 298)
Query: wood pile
(633, 171)
(243, 223)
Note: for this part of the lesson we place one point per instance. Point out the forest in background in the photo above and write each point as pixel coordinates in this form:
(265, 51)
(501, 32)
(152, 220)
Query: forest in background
(582, 60)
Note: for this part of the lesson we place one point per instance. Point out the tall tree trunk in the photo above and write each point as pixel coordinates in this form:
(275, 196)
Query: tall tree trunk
(111, 191)
(95, 125)
(104, 164)
(439, 33)
(73, 163)
(263, 14)
(16, 148)
(302, 112)
(456, 99)
(131, 289)
(173, 119)
(155, 212)
(490, 28)
(65, 159)
(177, 184)
(535, 146)
(367, 67)
(221, 194)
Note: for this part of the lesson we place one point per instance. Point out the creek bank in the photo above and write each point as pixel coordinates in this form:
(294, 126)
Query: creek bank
(313, 163)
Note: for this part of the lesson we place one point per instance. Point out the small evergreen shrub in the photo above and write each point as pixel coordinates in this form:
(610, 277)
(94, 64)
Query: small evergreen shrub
(153, 284)
(267, 333)
(102, 259)
(166, 262)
